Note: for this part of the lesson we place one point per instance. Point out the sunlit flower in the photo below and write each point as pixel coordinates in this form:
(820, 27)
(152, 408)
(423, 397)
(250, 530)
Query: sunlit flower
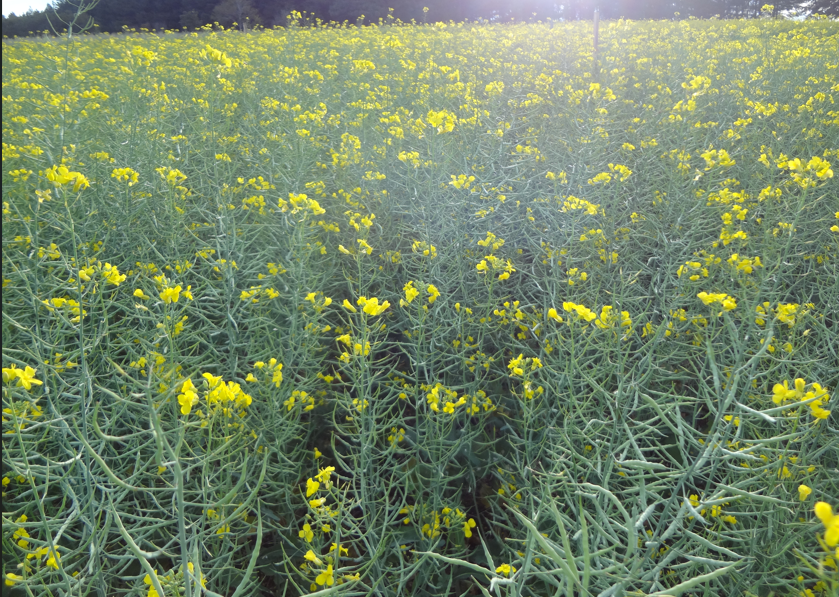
(306, 533)
(325, 577)
(12, 578)
(170, 295)
(468, 526)
(433, 293)
(310, 555)
(311, 487)
(831, 523)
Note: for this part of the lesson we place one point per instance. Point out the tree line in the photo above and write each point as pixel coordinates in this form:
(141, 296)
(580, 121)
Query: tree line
(115, 15)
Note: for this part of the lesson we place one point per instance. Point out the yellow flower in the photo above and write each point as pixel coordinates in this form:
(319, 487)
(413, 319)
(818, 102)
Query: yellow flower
(581, 311)
(732, 419)
(188, 397)
(325, 577)
(112, 274)
(310, 555)
(468, 526)
(324, 474)
(362, 244)
(506, 569)
(277, 375)
(52, 560)
(410, 292)
(803, 492)
(348, 306)
(728, 303)
(341, 550)
(306, 533)
(12, 578)
(25, 377)
(433, 292)
(831, 522)
(140, 294)
(10, 373)
(60, 175)
(147, 580)
(311, 487)
(170, 295)
(371, 306)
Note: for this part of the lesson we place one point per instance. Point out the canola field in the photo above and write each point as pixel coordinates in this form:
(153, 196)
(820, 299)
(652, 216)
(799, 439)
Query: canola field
(422, 310)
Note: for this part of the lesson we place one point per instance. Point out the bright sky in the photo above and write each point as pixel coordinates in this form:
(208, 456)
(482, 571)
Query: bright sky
(21, 6)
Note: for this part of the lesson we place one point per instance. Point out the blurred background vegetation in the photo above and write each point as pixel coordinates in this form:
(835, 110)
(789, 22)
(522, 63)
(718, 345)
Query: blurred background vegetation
(114, 15)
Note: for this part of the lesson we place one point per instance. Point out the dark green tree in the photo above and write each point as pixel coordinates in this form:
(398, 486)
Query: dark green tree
(826, 7)
(241, 12)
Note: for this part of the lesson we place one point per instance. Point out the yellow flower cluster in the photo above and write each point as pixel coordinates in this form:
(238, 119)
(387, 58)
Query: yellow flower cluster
(300, 397)
(213, 55)
(714, 158)
(518, 365)
(60, 176)
(426, 249)
(817, 396)
(72, 306)
(461, 181)
(824, 512)
(256, 292)
(225, 394)
(300, 202)
(807, 175)
(575, 203)
(443, 120)
(493, 263)
(725, 301)
(583, 312)
(274, 368)
(371, 306)
(23, 378)
(609, 319)
(694, 268)
(492, 242)
(172, 176)
(188, 396)
(716, 509)
(410, 294)
(126, 175)
(435, 522)
(437, 393)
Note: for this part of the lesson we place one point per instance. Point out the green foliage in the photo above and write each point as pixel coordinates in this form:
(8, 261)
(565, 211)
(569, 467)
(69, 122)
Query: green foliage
(422, 310)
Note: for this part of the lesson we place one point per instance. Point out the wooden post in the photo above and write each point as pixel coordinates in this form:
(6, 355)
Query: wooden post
(596, 29)
(596, 41)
